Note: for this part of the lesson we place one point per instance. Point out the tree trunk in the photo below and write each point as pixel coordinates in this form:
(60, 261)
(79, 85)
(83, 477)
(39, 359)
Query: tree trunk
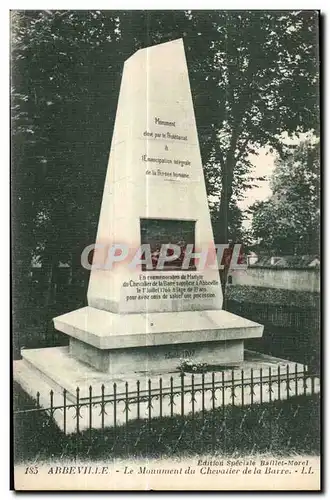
(223, 217)
(222, 233)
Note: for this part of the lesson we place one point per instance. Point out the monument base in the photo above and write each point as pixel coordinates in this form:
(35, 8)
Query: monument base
(144, 359)
(111, 342)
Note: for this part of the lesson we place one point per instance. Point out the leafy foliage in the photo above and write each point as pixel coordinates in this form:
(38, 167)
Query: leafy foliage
(265, 69)
(289, 221)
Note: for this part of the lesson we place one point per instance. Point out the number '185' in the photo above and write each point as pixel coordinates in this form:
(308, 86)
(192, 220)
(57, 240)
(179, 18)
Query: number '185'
(32, 469)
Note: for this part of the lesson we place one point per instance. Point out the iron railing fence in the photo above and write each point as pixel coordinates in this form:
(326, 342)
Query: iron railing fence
(281, 427)
(189, 399)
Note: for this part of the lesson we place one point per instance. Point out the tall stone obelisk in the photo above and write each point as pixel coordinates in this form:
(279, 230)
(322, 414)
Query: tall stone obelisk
(154, 172)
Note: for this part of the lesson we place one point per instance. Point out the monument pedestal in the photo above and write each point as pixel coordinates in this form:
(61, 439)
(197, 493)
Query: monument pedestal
(151, 358)
(141, 342)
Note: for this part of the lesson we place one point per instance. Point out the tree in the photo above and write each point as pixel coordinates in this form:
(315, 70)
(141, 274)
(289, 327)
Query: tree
(61, 127)
(289, 222)
(265, 68)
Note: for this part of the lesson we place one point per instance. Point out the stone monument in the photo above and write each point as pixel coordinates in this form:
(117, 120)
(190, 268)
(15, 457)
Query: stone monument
(141, 320)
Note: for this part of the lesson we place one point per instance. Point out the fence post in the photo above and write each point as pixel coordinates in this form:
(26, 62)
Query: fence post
(51, 403)
(203, 396)
(213, 391)
(232, 388)
(223, 409)
(149, 403)
(296, 378)
(182, 395)
(304, 380)
(279, 383)
(77, 423)
(115, 407)
(252, 386)
(77, 408)
(287, 382)
(126, 404)
(102, 407)
(138, 398)
(160, 397)
(233, 412)
(64, 411)
(90, 413)
(171, 396)
(126, 416)
(242, 386)
(223, 391)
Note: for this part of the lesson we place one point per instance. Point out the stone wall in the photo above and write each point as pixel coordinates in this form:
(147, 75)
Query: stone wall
(290, 279)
